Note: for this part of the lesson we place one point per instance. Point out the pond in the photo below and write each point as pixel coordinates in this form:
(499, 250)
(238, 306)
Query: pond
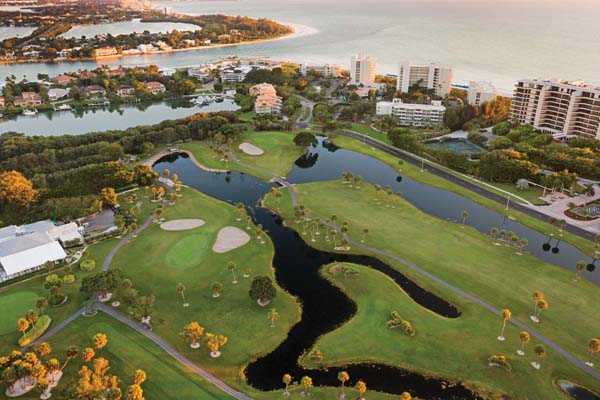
(577, 392)
(127, 27)
(15, 31)
(324, 306)
(80, 121)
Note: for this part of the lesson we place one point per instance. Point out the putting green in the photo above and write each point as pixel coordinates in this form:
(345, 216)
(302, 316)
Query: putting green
(13, 306)
(188, 251)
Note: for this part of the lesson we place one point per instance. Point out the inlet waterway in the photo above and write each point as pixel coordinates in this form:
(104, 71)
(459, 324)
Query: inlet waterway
(112, 117)
(325, 307)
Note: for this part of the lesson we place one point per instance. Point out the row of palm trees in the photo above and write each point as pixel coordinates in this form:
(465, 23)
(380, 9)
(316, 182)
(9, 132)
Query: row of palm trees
(306, 384)
(510, 238)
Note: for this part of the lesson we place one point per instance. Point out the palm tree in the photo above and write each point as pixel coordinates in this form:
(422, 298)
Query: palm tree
(216, 289)
(287, 379)
(361, 388)
(343, 377)
(306, 383)
(593, 348)
(365, 232)
(580, 266)
(561, 225)
(523, 243)
(181, 291)
(357, 181)
(248, 222)
(72, 353)
(100, 341)
(540, 352)
(231, 267)
(41, 304)
(273, 316)
(537, 296)
(334, 233)
(464, 215)
(278, 196)
(377, 191)
(494, 233)
(241, 211)
(506, 314)
(589, 190)
(525, 338)
(22, 325)
(541, 305)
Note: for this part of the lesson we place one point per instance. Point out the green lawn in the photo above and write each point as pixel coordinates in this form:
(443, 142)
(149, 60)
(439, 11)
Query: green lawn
(157, 260)
(280, 152)
(414, 172)
(17, 298)
(127, 351)
(467, 259)
(532, 194)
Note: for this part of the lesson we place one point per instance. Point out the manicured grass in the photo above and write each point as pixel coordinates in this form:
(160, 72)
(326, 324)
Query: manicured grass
(157, 260)
(127, 351)
(280, 152)
(17, 298)
(367, 130)
(466, 259)
(533, 193)
(414, 172)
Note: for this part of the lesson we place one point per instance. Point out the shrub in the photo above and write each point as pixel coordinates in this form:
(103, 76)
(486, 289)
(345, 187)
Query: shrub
(68, 279)
(87, 264)
(38, 330)
(499, 360)
(262, 289)
(397, 321)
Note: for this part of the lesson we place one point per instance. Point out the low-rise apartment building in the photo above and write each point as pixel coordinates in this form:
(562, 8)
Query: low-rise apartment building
(565, 109)
(418, 115)
(105, 52)
(267, 101)
(325, 70)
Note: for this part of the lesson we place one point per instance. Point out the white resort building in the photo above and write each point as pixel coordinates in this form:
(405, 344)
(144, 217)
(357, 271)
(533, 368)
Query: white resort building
(418, 115)
(480, 92)
(325, 70)
(25, 248)
(267, 101)
(362, 69)
(431, 76)
(563, 108)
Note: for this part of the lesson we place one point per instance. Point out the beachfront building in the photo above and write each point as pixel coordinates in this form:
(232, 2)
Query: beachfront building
(26, 248)
(325, 70)
(201, 72)
(362, 69)
(480, 92)
(105, 52)
(418, 115)
(267, 101)
(430, 76)
(565, 109)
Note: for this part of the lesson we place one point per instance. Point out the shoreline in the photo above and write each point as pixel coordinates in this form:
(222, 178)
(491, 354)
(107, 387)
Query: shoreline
(297, 31)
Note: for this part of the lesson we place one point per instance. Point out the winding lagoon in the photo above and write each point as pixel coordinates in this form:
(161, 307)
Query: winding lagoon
(324, 306)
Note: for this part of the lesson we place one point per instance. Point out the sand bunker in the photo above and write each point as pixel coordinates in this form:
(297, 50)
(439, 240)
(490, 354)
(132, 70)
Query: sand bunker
(251, 149)
(230, 238)
(182, 224)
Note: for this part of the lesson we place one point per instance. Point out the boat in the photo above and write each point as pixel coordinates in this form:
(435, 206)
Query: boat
(62, 107)
(29, 112)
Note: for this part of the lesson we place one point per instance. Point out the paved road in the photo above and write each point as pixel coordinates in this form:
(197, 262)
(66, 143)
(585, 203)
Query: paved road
(173, 353)
(474, 188)
(302, 123)
(58, 327)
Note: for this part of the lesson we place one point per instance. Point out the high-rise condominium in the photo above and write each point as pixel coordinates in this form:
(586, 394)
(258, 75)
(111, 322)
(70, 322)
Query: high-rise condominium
(362, 69)
(432, 76)
(564, 109)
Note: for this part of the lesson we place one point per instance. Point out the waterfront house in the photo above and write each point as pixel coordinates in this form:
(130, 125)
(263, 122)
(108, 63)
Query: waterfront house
(94, 91)
(28, 99)
(87, 75)
(115, 72)
(57, 93)
(167, 71)
(267, 101)
(202, 72)
(125, 90)
(63, 80)
(105, 52)
(146, 48)
(155, 87)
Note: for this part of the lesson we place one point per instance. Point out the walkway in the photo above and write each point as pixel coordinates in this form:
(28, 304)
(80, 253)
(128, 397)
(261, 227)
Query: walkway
(580, 364)
(172, 352)
(124, 241)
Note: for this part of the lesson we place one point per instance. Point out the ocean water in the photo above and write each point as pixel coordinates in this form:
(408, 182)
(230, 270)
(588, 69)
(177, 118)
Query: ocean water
(492, 40)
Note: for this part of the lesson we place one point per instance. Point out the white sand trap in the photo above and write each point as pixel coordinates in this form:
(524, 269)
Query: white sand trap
(230, 238)
(181, 224)
(251, 149)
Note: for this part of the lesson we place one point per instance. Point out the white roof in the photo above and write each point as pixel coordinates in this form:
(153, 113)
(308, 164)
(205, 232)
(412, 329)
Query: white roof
(65, 232)
(33, 256)
(58, 93)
